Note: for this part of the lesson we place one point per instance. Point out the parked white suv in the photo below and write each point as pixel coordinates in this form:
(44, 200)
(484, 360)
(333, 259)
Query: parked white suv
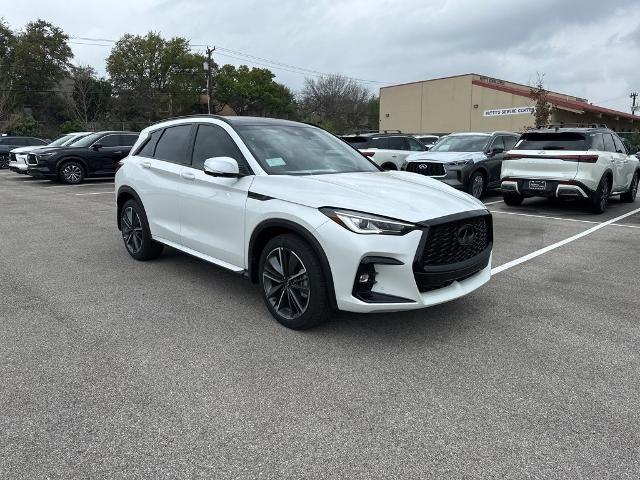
(387, 150)
(575, 163)
(298, 211)
(18, 156)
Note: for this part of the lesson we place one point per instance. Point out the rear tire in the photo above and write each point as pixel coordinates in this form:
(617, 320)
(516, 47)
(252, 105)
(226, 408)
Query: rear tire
(630, 196)
(71, 172)
(600, 199)
(512, 199)
(477, 185)
(292, 283)
(136, 234)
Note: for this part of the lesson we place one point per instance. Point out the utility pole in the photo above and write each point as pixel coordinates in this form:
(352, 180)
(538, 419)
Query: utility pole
(633, 96)
(208, 67)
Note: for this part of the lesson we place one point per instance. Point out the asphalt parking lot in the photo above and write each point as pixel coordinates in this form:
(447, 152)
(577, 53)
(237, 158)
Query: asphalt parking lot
(174, 368)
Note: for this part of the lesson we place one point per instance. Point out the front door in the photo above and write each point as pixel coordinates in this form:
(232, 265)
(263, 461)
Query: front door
(212, 209)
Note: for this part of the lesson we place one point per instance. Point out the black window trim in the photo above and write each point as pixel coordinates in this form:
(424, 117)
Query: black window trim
(189, 144)
(245, 162)
(147, 140)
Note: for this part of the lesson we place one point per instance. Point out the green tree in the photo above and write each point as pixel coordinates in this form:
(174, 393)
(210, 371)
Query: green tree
(252, 92)
(41, 60)
(23, 126)
(7, 49)
(153, 78)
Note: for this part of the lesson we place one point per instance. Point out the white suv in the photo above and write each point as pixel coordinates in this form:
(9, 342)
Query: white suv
(574, 163)
(388, 150)
(297, 210)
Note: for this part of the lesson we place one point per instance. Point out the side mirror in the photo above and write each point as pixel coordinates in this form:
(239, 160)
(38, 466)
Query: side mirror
(96, 146)
(221, 167)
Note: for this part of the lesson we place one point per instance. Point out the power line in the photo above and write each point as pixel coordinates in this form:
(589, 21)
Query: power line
(246, 57)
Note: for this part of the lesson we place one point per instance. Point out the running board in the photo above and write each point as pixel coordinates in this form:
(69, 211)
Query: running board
(200, 255)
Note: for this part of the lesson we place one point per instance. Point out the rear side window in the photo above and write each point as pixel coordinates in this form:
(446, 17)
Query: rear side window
(553, 141)
(357, 142)
(128, 140)
(382, 142)
(398, 143)
(173, 144)
(415, 145)
(213, 141)
(609, 145)
(498, 142)
(620, 148)
(149, 147)
(510, 142)
(597, 142)
(110, 141)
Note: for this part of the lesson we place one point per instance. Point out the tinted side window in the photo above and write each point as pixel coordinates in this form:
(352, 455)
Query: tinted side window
(379, 143)
(415, 145)
(149, 147)
(128, 140)
(110, 141)
(510, 142)
(398, 143)
(609, 146)
(213, 141)
(597, 142)
(619, 145)
(173, 144)
(498, 142)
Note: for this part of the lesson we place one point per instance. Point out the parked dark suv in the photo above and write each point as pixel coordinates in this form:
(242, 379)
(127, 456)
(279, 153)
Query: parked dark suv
(9, 143)
(466, 161)
(96, 155)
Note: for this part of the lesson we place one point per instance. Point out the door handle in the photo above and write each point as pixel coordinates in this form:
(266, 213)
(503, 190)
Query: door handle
(187, 175)
(119, 152)
(394, 156)
(146, 164)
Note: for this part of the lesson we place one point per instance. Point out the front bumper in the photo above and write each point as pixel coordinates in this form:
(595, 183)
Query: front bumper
(42, 172)
(552, 188)
(396, 283)
(18, 167)
(455, 176)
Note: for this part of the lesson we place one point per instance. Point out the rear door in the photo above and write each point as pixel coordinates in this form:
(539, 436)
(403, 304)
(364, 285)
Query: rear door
(625, 168)
(213, 208)
(160, 160)
(494, 160)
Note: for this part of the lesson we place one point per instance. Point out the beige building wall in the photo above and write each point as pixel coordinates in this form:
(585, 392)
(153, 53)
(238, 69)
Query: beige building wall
(401, 108)
(485, 99)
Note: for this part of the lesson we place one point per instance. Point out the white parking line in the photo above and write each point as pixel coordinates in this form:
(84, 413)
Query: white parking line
(101, 184)
(94, 193)
(493, 203)
(563, 219)
(544, 250)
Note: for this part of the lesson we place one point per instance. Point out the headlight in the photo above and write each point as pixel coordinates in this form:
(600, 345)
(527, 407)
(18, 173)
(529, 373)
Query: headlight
(367, 224)
(44, 155)
(461, 162)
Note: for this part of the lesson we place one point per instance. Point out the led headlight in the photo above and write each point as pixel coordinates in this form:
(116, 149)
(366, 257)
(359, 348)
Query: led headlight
(367, 224)
(44, 155)
(462, 162)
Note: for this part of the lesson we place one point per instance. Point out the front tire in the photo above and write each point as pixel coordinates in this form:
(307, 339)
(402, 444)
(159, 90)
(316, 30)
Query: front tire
(630, 196)
(477, 185)
(136, 233)
(71, 173)
(292, 283)
(600, 199)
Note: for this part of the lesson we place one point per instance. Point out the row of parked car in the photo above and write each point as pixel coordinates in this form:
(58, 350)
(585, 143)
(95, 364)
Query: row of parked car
(69, 159)
(573, 162)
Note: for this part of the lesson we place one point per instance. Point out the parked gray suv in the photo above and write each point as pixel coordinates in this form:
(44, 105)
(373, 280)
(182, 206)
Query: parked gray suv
(466, 161)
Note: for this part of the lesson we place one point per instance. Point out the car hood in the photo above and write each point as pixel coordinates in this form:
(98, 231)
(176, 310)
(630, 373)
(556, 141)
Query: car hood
(51, 149)
(446, 157)
(401, 195)
(28, 149)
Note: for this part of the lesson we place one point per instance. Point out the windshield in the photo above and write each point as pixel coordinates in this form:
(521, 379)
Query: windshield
(60, 141)
(301, 150)
(88, 140)
(462, 143)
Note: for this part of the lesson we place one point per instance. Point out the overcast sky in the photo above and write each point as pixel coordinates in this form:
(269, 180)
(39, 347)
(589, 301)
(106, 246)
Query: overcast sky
(587, 48)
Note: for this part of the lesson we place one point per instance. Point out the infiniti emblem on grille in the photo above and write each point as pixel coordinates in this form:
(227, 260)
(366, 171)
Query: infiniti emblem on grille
(466, 234)
(422, 166)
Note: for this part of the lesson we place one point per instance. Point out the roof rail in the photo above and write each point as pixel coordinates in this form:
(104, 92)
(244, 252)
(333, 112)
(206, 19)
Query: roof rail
(576, 125)
(360, 132)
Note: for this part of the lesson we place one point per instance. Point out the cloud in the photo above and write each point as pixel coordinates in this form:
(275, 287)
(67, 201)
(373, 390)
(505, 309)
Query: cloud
(586, 48)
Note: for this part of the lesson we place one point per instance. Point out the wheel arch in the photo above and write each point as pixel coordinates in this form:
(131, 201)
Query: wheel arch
(125, 193)
(267, 230)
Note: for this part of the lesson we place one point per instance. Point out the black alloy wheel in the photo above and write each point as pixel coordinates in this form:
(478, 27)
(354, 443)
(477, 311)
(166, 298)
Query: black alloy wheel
(286, 283)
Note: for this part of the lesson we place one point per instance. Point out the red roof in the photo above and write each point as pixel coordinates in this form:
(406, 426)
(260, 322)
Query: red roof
(558, 101)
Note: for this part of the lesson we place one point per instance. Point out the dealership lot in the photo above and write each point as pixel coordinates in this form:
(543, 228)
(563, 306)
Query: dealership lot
(111, 367)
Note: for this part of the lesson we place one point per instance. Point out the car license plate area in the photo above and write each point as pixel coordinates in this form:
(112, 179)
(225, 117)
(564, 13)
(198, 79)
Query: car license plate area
(537, 185)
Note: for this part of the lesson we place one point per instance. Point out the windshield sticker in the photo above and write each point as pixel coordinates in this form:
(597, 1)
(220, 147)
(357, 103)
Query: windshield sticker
(275, 162)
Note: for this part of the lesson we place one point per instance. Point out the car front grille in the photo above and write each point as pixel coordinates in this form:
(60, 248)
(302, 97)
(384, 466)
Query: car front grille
(453, 250)
(431, 169)
(32, 159)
